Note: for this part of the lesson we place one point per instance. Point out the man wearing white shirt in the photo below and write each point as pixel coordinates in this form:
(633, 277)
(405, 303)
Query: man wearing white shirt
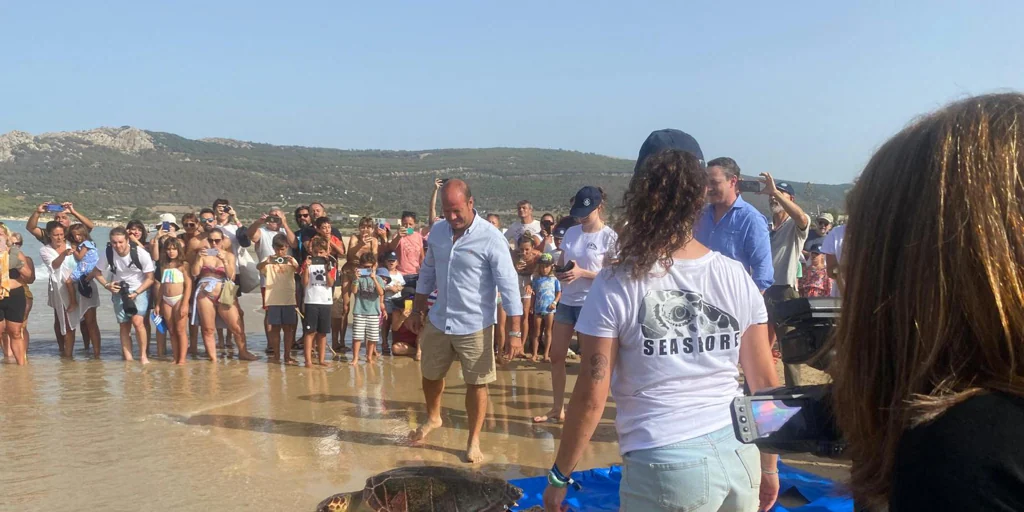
(832, 248)
(526, 223)
(468, 263)
(133, 269)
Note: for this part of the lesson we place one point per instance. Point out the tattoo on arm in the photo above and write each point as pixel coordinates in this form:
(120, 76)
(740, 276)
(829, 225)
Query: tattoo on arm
(598, 367)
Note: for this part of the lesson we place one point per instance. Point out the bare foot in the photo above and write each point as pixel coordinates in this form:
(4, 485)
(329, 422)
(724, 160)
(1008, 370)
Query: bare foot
(473, 453)
(419, 355)
(290, 360)
(144, 360)
(417, 436)
(354, 361)
(273, 359)
(537, 359)
(550, 417)
(247, 356)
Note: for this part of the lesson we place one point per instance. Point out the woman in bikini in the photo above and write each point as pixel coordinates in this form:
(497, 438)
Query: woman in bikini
(355, 246)
(174, 285)
(16, 273)
(214, 266)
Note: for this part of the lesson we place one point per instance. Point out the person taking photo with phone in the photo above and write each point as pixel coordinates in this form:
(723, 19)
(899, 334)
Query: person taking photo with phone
(262, 233)
(408, 245)
(62, 213)
(670, 320)
(585, 250)
(278, 271)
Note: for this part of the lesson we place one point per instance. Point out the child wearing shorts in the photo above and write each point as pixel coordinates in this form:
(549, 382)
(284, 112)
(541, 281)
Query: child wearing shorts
(367, 299)
(318, 275)
(278, 272)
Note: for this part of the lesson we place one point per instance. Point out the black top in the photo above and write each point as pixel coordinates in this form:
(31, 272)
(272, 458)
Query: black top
(970, 458)
(306, 234)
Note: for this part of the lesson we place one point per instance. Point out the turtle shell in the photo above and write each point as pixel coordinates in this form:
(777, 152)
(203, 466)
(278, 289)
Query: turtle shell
(343, 502)
(436, 489)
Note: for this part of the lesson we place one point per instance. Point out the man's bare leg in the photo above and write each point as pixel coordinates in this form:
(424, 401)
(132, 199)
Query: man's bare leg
(126, 341)
(476, 409)
(432, 391)
(141, 334)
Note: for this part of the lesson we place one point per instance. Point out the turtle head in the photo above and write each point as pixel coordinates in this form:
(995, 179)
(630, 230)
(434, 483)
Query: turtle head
(343, 502)
(512, 494)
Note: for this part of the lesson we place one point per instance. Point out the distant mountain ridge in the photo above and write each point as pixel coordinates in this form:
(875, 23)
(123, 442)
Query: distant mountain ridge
(111, 171)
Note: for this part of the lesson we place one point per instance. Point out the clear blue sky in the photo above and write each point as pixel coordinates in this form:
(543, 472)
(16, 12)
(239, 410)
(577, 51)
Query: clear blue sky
(803, 89)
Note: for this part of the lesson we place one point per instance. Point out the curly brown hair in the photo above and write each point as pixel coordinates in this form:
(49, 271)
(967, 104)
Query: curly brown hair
(660, 208)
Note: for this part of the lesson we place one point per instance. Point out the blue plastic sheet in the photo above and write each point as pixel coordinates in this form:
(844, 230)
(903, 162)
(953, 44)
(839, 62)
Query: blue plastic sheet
(601, 491)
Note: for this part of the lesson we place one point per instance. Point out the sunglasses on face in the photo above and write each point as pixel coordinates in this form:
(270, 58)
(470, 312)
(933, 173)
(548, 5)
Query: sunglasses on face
(206, 221)
(303, 215)
(823, 224)
(190, 224)
(215, 240)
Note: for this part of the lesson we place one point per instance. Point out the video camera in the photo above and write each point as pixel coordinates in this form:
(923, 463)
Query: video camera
(796, 419)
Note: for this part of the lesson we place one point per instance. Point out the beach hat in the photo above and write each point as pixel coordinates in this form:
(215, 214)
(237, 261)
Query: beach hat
(786, 187)
(391, 256)
(826, 217)
(586, 201)
(661, 140)
(546, 259)
(168, 217)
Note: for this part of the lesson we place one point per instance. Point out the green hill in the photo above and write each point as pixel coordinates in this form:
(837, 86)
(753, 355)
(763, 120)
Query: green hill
(111, 171)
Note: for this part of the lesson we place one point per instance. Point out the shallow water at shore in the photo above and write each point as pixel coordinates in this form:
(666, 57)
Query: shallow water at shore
(111, 435)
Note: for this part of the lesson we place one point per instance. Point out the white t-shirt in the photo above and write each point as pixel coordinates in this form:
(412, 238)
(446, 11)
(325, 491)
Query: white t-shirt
(264, 248)
(679, 337)
(126, 270)
(833, 244)
(318, 292)
(588, 250)
(516, 230)
(787, 244)
(396, 278)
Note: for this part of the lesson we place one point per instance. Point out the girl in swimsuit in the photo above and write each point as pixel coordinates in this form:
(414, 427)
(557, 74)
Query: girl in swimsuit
(355, 247)
(174, 285)
(213, 265)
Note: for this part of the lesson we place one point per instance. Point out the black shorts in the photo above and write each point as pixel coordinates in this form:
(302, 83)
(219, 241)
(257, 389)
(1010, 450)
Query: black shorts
(317, 319)
(13, 307)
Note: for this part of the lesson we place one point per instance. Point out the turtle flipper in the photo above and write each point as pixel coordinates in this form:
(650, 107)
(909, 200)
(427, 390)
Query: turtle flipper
(342, 502)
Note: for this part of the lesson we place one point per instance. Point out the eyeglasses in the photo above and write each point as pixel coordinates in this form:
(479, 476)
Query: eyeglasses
(206, 221)
(823, 223)
(190, 224)
(303, 215)
(215, 240)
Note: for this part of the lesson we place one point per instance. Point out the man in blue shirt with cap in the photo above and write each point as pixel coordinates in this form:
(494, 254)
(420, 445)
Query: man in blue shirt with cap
(729, 224)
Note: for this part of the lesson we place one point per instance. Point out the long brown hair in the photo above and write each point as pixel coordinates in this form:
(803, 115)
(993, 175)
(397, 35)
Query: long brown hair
(165, 259)
(660, 208)
(933, 308)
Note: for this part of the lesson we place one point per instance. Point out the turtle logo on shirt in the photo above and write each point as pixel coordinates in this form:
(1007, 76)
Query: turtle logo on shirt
(680, 320)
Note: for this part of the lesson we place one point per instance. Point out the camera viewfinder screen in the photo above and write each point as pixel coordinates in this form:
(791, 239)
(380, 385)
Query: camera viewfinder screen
(771, 415)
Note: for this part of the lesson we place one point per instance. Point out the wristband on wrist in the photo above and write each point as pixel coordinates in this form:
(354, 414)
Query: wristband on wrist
(766, 472)
(557, 479)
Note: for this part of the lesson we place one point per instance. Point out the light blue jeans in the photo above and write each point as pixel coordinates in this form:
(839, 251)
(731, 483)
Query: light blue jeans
(710, 472)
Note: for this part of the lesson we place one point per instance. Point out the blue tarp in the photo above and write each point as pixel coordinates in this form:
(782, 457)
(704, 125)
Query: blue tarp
(601, 491)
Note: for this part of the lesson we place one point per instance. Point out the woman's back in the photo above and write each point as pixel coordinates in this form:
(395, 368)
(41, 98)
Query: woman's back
(970, 458)
(679, 337)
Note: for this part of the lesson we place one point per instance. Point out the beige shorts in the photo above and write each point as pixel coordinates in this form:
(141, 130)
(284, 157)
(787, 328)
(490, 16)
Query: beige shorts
(475, 352)
(338, 307)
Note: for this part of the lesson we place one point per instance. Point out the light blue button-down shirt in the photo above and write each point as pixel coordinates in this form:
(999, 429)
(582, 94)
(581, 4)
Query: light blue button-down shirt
(467, 275)
(742, 235)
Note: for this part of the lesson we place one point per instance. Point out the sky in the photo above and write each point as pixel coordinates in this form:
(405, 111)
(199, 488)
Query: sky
(806, 91)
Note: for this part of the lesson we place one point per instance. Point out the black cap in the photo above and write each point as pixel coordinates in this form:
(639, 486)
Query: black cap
(586, 201)
(668, 138)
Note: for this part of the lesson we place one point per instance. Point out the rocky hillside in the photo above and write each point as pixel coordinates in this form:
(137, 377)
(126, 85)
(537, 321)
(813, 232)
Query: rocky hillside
(111, 171)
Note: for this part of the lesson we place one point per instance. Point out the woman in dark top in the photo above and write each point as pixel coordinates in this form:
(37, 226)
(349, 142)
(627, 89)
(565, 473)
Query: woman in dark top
(928, 377)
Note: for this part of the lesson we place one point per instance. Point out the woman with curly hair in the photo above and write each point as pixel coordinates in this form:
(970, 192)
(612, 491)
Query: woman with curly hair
(584, 250)
(670, 320)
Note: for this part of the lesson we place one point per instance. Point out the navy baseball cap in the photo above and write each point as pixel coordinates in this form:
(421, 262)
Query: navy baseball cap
(785, 187)
(586, 201)
(668, 138)
(391, 256)
(560, 232)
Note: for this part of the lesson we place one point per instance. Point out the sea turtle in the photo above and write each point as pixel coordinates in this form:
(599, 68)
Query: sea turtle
(426, 488)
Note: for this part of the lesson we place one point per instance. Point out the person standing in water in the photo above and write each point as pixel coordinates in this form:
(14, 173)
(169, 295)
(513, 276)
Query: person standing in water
(584, 250)
(174, 286)
(132, 267)
(467, 262)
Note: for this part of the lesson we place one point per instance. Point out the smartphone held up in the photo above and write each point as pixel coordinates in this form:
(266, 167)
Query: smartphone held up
(752, 186)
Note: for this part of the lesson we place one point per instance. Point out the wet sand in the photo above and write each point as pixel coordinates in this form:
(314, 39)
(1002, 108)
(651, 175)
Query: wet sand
(111, 435)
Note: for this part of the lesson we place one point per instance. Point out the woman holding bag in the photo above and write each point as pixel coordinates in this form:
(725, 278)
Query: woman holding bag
(216, 295)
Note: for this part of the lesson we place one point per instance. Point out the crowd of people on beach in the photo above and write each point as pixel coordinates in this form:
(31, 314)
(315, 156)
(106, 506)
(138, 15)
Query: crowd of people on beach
(666, 305)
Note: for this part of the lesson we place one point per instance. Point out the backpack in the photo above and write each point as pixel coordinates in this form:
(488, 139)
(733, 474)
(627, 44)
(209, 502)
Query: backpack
(133, 252)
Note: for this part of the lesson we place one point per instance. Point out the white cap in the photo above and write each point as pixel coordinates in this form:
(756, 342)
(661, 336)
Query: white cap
(168, 217)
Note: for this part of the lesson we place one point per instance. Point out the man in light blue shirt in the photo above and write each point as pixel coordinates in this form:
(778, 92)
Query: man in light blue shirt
(732, 226)
(467, 262)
